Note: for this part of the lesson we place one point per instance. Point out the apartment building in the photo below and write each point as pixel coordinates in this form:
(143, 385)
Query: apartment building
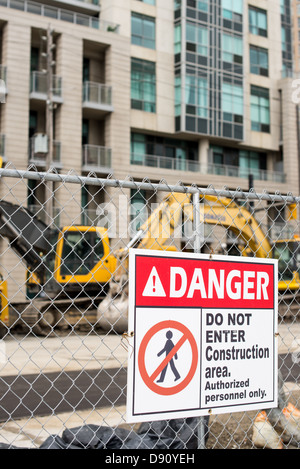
(295, 7)
(196, 91)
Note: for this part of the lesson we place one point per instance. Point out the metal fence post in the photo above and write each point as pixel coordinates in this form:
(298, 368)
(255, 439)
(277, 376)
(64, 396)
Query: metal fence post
(197, 247)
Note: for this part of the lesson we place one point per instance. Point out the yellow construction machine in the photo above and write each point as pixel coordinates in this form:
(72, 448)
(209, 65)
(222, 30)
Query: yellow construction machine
(158, 233)
(69, 269)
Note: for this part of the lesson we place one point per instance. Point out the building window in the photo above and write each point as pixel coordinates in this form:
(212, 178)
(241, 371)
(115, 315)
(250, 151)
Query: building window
(143, 30)
(232, 10)
(178, 85)
(238, 163)
(258, 22)
(232, 49)
(193, 6)
(143, 85)
(165, 153)
(284, 40)
(224, 157)
(177, 5)
(202, 5)
(138, 149)
(232, 103)
(34, 59)
(252, 162)
(259, 61)
(197, 38)
(177, 39)
(196, 96)
(150, 2)
(260, 109)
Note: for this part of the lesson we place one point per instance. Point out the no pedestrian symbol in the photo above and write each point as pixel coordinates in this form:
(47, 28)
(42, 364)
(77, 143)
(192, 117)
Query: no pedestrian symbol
(172, 353)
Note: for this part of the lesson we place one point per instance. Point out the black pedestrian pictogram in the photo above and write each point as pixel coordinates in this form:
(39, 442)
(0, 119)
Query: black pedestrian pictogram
(169, 345)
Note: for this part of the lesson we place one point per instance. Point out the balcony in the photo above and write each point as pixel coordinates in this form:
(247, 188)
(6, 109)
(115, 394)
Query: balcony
(236, 171)
(38, 87)
(39, 159)
(163, 162)
(60, 14)
(87, 7)
(97, 97)
(96, 158)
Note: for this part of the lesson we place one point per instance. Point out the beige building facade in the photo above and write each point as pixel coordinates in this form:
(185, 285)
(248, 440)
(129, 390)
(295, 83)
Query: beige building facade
(190, 91)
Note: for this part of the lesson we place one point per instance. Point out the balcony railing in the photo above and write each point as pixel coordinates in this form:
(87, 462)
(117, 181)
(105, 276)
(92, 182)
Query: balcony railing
(164, 162)
(96, 158)
(97, 95)
(236, 171)
(60, 14)
(38, 86)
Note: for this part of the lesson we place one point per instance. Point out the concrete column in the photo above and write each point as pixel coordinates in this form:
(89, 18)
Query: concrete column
(203, 147)
(290, 137)
(14, 125)
(69, 57)
(15, 116)
(117, 124)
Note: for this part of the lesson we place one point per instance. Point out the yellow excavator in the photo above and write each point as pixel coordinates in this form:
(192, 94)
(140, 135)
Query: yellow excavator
(69, 270)
(158, 233)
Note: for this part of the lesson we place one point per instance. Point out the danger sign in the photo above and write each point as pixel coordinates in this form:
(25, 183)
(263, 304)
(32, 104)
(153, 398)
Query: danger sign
(204, 334)
(205, 284)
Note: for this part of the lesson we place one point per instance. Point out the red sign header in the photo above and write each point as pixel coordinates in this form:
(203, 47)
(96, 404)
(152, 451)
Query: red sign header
(192, 282)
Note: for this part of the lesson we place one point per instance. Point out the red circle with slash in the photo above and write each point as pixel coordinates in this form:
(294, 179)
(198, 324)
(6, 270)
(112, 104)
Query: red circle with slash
(149, 379)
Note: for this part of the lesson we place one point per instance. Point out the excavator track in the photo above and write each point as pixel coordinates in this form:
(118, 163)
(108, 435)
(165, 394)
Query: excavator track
(43, 316)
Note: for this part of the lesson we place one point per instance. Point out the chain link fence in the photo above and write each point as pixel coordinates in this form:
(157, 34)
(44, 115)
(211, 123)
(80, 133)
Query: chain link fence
(64, 287)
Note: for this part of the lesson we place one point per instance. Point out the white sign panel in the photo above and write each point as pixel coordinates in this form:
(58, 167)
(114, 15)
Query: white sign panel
(203, 335)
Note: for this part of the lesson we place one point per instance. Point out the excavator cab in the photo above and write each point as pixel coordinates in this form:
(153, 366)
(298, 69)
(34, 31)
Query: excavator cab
(288, 254)
(82, 258)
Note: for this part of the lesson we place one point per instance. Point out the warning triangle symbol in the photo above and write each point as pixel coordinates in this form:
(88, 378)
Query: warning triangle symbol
(154, 286)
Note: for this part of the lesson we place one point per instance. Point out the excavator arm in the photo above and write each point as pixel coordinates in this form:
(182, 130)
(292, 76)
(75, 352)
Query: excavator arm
(157, 232)
(240, 221)
(28, 236)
